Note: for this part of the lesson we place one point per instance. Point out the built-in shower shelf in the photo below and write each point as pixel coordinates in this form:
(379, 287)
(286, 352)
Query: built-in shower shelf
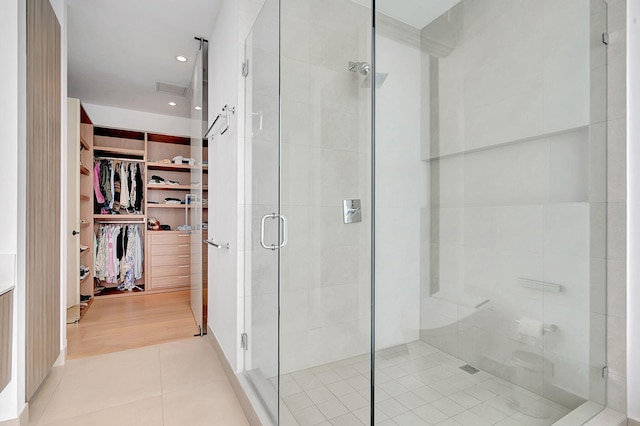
(433, 157)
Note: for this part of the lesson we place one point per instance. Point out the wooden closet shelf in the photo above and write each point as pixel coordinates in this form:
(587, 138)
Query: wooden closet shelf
(120, 216)
(84, 170)
(84, 197)
(84, 144)
(171, 206)
(119, 151)
(170, 167)
(176, 187)
(84, 278)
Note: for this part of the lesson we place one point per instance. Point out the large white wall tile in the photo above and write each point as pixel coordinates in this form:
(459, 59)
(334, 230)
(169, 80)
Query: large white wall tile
(566, 229)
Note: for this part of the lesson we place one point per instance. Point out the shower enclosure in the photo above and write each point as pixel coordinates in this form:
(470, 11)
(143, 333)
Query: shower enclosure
(425, 211)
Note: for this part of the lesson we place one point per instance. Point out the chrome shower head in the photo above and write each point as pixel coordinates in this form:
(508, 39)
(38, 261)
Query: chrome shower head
(380, 78)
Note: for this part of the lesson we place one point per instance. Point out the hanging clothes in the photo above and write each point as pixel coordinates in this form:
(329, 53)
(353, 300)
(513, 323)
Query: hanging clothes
(118, 187)
(124, 187)
(119, 255)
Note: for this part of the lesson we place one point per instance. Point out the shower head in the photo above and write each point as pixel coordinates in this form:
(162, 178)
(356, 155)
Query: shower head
(365, 69)
(380, 78)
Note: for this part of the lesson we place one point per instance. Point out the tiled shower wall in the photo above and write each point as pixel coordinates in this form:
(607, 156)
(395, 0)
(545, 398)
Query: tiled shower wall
(325, 116)
(511, 158)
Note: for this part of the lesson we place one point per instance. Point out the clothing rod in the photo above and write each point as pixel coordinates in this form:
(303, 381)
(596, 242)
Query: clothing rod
(128, 160)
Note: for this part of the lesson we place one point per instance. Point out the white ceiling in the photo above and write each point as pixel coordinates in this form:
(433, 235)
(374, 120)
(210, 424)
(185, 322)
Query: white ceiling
(417, 13)
(119, 49)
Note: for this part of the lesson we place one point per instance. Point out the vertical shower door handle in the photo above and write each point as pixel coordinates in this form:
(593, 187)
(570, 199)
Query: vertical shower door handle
(285, 225)
(284, 231)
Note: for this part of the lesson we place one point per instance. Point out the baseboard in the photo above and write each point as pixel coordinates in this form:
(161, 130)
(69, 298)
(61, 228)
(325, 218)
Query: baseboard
(22, 420)
(245, 402)
(631, 422)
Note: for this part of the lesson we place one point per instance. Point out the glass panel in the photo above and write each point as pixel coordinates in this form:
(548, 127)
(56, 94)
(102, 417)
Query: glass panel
(490, 188)
(194, 198)
(325, 280)
(261, 207)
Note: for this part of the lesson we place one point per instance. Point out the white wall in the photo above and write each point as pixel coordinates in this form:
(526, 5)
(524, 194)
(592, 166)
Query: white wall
(633, 212)
(9, 404)
(107, 116)
(225, 289)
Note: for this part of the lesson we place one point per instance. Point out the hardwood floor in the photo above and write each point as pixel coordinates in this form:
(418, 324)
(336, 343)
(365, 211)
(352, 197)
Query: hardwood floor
(117, 324)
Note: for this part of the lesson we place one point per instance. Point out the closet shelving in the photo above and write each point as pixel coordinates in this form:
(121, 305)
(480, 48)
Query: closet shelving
(113, 144)
(167, 253)
(86, 208)
(169, 263)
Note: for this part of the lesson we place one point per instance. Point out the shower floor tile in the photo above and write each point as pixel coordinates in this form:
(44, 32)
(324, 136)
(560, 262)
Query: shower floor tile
(417, 384)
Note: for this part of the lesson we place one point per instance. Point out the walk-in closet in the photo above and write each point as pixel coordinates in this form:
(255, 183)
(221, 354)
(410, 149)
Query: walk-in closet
(140, 206)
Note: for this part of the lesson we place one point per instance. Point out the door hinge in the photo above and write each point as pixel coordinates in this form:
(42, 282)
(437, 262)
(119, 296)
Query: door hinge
(245, 68)
(605, 371)
(244, 341)
(605, 38)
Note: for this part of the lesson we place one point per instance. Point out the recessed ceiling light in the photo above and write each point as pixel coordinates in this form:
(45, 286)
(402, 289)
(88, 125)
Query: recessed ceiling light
(172, 103)
(181, 58)
(198, 108)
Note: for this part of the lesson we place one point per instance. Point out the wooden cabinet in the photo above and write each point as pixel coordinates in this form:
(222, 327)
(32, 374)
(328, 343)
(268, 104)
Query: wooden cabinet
(170, 252)
(170, 261)
(6, 336)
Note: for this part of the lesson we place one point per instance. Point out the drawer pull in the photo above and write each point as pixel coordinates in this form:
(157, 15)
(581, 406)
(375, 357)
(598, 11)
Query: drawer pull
(184, 255)
(183, 276)
(184, 266)
(183, 245)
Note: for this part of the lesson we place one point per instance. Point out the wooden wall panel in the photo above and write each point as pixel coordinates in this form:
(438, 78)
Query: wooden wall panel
(43, 193)
(6, 335)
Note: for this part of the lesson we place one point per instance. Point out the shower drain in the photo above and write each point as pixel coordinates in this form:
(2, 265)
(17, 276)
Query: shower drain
(469, 369)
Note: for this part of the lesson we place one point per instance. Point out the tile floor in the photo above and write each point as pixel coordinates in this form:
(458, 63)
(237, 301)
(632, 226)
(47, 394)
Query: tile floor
(171, 384)
(418, 385)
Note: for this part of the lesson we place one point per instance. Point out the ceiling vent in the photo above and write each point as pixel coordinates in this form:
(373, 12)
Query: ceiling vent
(172, 89)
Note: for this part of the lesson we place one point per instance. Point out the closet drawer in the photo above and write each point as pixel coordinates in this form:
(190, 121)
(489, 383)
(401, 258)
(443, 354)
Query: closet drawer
(169, 250)
(168, 282)
(169, 260)
(170, 271)
(167, 238)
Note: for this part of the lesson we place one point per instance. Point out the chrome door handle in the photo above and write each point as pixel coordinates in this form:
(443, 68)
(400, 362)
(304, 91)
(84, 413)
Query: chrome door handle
(262, 222)
(285, 225)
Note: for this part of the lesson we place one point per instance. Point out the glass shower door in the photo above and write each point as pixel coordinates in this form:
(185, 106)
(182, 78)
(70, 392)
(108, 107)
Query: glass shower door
(193, 203)
(262, 220)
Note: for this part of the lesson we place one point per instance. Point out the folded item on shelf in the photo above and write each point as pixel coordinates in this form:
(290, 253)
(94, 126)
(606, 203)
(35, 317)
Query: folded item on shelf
(179, 159)
(184, 228)
(155, 179)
